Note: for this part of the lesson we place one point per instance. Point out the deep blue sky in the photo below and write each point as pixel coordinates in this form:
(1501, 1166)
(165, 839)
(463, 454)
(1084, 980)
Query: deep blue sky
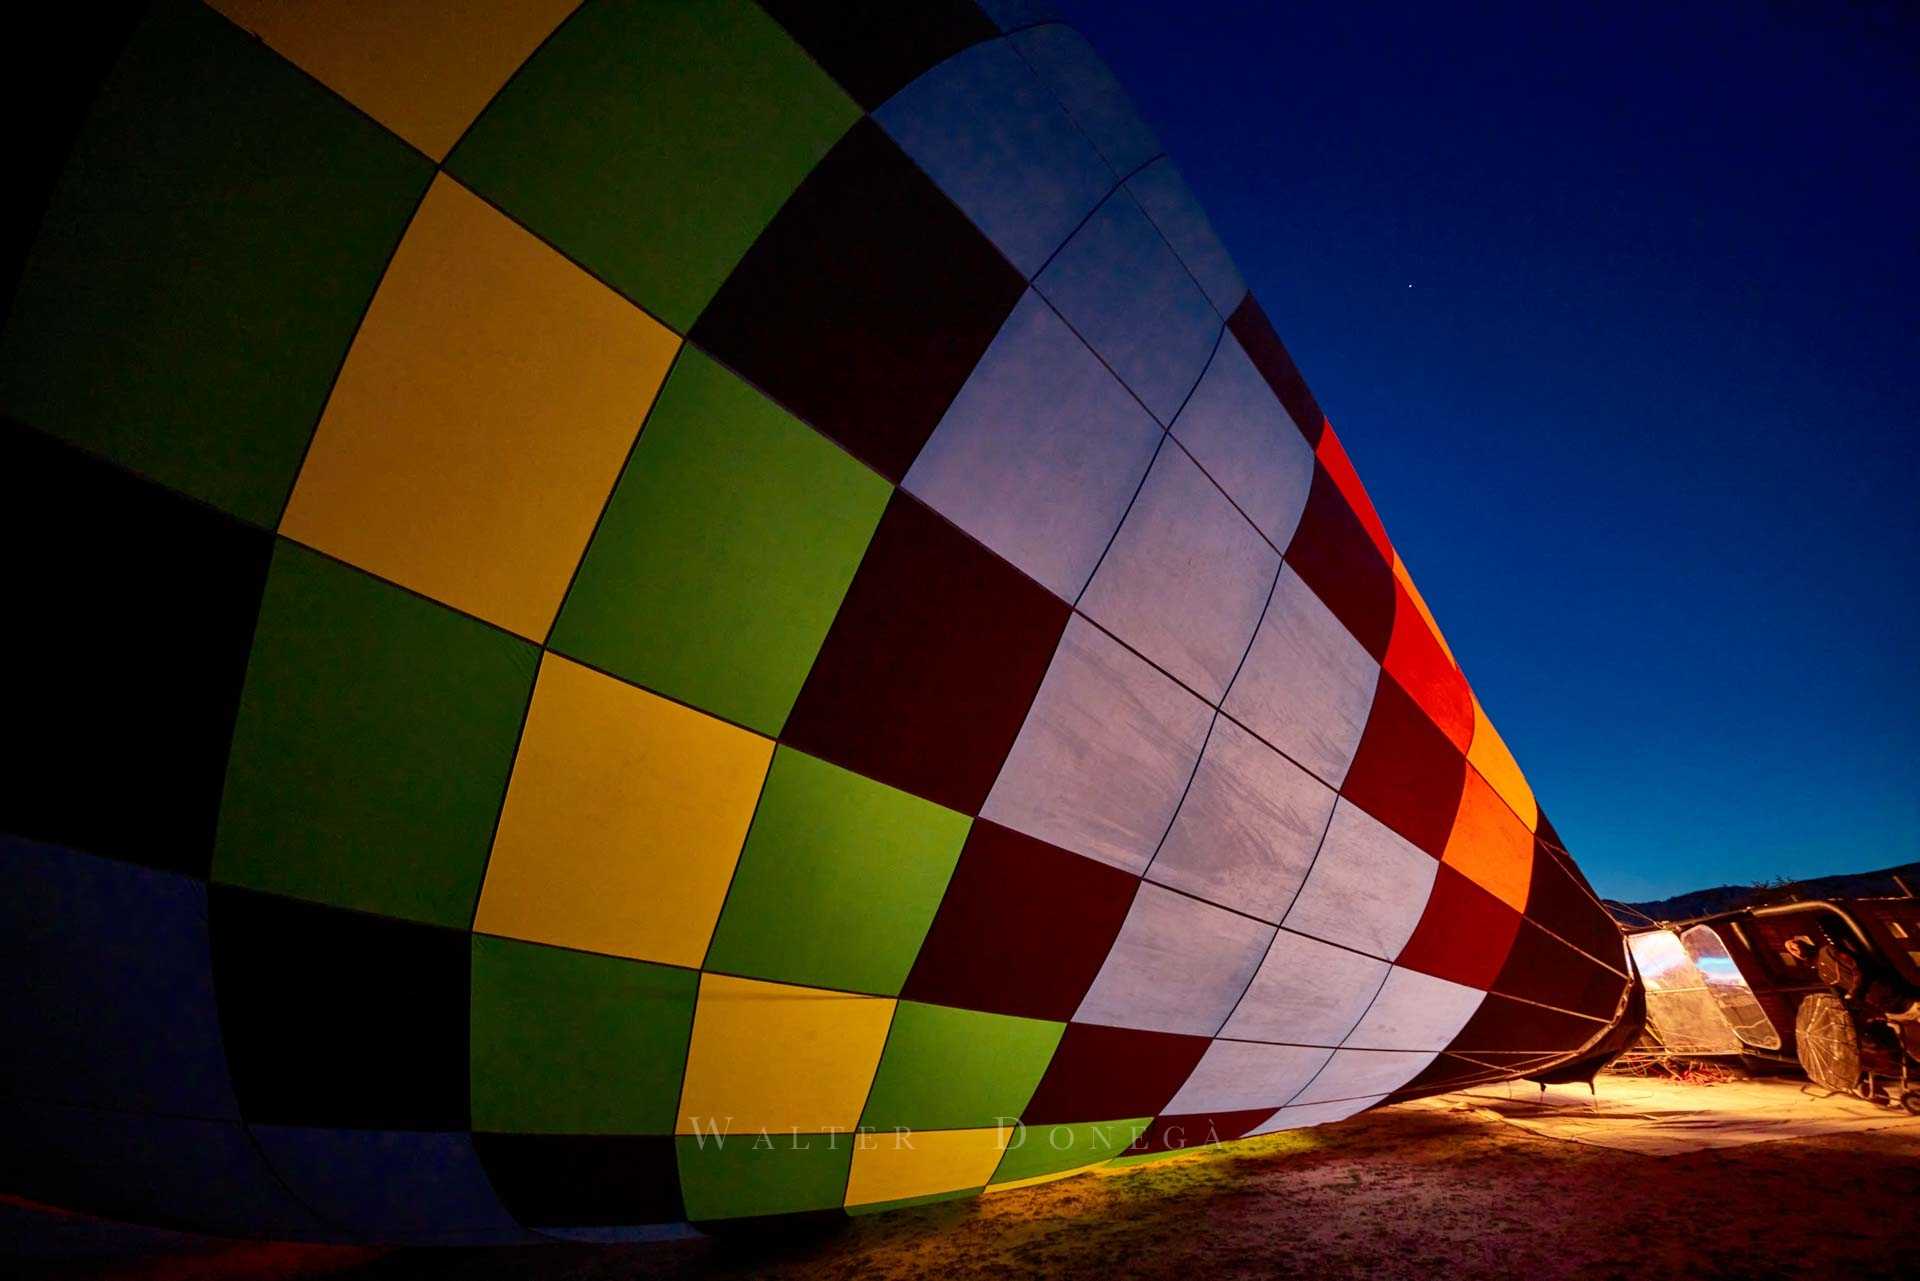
(1615, 308)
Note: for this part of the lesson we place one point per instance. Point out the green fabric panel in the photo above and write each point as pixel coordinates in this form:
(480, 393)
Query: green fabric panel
(744, 1174)
(838, 882)
(574, 1043)
(375, 736)
(1049, 1149)
(947, 1069)
(654, 142)
(219, 230)
(722, 558)
(906, 1203)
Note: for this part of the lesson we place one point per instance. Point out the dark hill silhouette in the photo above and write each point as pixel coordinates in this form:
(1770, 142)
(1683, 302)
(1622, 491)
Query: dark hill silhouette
(1722, 898)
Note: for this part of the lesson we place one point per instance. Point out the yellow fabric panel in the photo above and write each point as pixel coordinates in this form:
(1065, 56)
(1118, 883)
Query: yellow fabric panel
(422, 68)
(1490, 756)
(481, 418)
(776, 1056)
(624, 818)
(1489, 846)
(1419, 602)
(894, 1167)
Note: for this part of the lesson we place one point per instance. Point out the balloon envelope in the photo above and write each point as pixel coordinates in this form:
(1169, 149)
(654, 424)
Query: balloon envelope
(633, 614)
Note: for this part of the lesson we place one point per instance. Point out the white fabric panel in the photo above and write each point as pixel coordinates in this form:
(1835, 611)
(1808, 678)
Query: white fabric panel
(1307, 684)
(1239, 431)
(1415, 1011)
(1248, 829)
(996, 140)
(1352, 1074)
(1368, 887)
(1299, 1118)
(1164, 194)
(1091, 95)
(1105, 753)
(1239, 1076)
(1121, 288)
(1306, 993)
(1186, 577)
(1178, 966)
(1040, 453)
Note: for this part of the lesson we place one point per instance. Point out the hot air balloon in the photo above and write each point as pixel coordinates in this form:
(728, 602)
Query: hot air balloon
(633, 614)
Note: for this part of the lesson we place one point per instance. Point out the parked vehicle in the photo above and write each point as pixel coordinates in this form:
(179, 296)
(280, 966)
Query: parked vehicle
(1831, 986)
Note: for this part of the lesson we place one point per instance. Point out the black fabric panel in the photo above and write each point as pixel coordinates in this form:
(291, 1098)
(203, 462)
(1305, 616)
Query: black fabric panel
(865, 304)
(338, 1018)
(584, 1180)
(875, 48)
(131, 616)
(51, 79)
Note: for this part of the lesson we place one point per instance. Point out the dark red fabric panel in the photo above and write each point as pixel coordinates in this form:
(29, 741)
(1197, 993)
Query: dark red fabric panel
(929, 668)
(1556, 899)
(1464, 936)
(1333, 456)
(1024, 928)
(1249, 324)
(1542, 968)
(1333, 554)
(1448, 1073)
(1546, 832)
(1173, 1133)
(1112, 1073)
(1504, 1024)
(1407, 773)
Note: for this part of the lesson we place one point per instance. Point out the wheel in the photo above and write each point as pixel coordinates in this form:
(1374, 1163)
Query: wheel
(1911, 1102)
(1826, 1043)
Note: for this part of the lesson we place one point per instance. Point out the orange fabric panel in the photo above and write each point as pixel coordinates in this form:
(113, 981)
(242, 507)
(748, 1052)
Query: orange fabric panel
(1490, 756)
(1489, 845)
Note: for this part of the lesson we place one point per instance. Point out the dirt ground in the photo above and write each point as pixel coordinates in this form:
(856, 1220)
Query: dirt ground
(1396, 1194)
